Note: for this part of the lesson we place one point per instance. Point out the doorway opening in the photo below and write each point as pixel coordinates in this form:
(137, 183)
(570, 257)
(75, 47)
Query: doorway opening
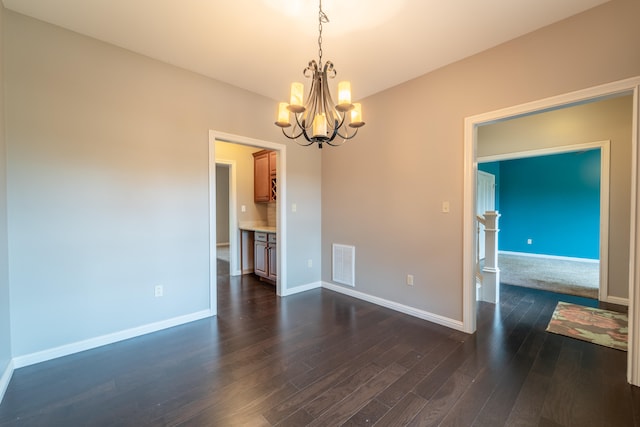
(234, 232)
(568, 206)
(226, 212)
(629, 86)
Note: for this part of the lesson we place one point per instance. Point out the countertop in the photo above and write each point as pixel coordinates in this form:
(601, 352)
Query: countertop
(259, 228)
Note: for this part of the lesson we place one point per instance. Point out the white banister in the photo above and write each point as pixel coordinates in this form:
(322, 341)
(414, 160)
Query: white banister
(490, 275)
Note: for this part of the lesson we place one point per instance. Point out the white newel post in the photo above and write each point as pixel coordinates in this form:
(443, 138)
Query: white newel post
(491, 272)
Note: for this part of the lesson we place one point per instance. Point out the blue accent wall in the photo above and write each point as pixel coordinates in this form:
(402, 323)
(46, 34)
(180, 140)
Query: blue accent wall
(554, 201)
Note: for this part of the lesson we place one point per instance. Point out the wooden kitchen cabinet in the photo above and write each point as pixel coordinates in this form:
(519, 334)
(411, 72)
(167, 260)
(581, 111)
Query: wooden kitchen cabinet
(272, 257)
(264, 176)
(265, 258)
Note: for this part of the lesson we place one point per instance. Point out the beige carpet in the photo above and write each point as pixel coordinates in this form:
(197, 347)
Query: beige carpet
(557, 275)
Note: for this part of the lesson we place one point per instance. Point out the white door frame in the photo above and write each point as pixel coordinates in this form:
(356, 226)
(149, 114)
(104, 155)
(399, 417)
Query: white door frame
(281, 223)
(630, 86)
(233, 216)
(605, 156)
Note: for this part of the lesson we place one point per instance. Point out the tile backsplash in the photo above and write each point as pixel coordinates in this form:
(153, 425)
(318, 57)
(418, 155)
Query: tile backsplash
(271, 214)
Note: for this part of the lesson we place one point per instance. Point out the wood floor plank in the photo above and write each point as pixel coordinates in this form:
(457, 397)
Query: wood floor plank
(406, 383)
(403, 412)
(346, 408)
(322, 358)
(441, 402)
(368, 415)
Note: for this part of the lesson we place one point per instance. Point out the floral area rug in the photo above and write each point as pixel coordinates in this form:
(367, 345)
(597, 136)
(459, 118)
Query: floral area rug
(603, 327)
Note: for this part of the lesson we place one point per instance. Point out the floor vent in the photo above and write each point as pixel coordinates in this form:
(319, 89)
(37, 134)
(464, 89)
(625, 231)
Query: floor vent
(344, 264)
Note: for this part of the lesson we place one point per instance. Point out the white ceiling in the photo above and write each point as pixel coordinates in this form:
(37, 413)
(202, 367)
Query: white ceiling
(263, 45)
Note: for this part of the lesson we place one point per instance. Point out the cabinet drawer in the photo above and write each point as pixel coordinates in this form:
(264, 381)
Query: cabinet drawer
(272, 238)
(260, 236)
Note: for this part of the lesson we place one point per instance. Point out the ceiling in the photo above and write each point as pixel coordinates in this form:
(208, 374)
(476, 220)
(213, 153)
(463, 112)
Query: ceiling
(263, 45)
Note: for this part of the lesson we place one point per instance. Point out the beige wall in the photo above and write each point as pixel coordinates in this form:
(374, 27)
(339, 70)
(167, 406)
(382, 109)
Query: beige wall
(5, 332)
(108, 185)
(383, 191)
(256, 213)
(222, 204)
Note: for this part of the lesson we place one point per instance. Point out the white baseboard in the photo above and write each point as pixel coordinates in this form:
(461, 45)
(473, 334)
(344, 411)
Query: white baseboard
(65, 350)
(301, 288)
(5, 378)
(616, 300)
(411, 311)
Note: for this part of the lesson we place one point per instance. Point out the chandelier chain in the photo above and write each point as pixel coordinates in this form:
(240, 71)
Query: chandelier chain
(322, 18)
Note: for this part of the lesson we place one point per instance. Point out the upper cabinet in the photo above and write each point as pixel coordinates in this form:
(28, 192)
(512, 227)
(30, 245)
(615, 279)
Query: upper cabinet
(264, 176)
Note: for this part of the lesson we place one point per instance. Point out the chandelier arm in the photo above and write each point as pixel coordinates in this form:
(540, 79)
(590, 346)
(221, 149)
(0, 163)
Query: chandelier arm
(334, 144)
(292, 136)
(306, 137)
(298, 124)
(347, 137)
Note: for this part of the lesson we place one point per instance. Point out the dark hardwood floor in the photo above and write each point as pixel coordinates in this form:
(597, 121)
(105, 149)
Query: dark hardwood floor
(323, 359)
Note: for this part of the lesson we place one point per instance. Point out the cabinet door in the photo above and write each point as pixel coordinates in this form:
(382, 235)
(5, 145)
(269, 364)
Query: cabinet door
(261, 177)
(272, 163)
(273, 261)
(260, 263)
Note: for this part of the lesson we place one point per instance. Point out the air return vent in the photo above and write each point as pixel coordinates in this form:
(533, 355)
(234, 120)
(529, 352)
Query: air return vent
(344, 260)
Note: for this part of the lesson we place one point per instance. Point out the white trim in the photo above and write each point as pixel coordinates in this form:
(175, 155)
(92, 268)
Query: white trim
(76, 347)
(411, 311)
(561, 258)
(544, 151)
(633, 355)
(5, 379)
(302, 288)
(281, 212)
(617, 300)
(470, 168)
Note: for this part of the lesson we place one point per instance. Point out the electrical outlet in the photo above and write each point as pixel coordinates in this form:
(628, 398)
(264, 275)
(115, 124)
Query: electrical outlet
(410, 279)
(294, 207)
(243, 208)
(310, 263)
(529, 241)
(159, 291)
(445, 207)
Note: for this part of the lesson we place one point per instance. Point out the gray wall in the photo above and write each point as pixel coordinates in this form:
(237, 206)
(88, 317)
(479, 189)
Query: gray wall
(610, 119)
(222, 204)
(383, 191)
(5, 332)
(108, 185)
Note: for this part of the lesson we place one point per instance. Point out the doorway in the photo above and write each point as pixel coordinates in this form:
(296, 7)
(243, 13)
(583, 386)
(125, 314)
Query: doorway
(629, 86)
(225, 211)
(281, 283)
(561, 206)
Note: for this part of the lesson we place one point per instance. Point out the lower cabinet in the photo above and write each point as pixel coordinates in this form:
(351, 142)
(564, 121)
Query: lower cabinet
(265, 256)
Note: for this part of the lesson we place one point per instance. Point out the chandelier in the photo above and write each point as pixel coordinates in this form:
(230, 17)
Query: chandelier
(318, 120)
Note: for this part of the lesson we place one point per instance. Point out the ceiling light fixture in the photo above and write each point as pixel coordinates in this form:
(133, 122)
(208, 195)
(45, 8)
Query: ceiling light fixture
(318, 120)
